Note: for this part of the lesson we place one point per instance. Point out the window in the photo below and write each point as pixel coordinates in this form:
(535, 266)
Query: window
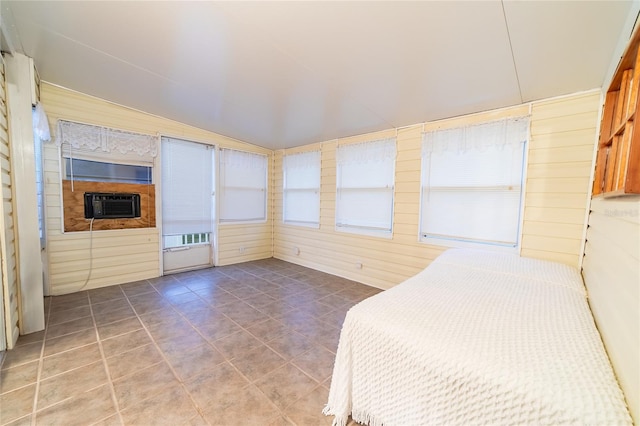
(99, 171)
(187, 193)
(301, 188)
(101, 154)
(243, 186)
(364, 184)
(472, 183)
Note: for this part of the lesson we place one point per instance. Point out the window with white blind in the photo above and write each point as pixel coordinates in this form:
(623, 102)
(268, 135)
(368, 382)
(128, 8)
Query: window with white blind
(472, 181)
(187, 193)
(365, 184)
(243, 186)
(301, 189)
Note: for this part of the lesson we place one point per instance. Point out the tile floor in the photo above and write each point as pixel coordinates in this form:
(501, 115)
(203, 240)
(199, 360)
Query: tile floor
(248, 344)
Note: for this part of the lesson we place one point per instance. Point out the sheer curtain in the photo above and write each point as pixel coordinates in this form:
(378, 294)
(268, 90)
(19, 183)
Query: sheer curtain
(472, 182)
(243, 186)
(365, 185)
(96, 143)
(301, 188)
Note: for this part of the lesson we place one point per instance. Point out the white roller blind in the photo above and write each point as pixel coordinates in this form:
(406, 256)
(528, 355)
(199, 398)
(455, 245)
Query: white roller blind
(187, 187)
(301, 188)
(364, 183)
(243, 186)
(472, 182)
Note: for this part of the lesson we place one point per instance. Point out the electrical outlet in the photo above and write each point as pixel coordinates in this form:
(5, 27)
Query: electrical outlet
(242, 250)
(296, 251)
(359, 265)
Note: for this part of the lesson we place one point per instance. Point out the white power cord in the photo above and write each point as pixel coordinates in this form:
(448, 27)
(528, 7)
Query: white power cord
(90, 253)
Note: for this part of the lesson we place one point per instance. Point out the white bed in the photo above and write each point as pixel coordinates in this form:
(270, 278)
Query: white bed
(477, 338)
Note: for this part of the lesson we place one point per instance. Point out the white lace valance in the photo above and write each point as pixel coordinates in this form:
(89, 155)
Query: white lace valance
(301, 160)
(243, 160)
(366, 152)
(104, 144)
(478, 137)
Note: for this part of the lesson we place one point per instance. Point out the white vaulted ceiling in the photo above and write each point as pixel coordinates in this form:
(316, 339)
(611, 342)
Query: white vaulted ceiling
(283, 74)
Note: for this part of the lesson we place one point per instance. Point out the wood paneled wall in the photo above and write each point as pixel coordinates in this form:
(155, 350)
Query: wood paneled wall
(73, 202)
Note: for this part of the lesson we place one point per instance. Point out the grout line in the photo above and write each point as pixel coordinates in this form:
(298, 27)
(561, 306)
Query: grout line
(112, 390)
(40, 364)
(234, 273)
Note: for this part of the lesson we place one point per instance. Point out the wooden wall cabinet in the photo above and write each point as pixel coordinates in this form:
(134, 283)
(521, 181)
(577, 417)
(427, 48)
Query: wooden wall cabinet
(618, 160)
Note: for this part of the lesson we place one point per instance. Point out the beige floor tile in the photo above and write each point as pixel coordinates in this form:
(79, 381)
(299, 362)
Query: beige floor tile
(146, 306)
(236, 344)
(268, 330)
(290, 345)
(119, 327)
(70, 315)
(129, 362)
(258, 362)
(206, 316)
(137, 288)
(31, 338)
(181, 344)
(102, 308)
(68, 301)
(280, 421)
(317, 363)
(69, 327)
(221, 328)
(191, 306)
(160, 317)
(172, 406)
(210, 386)
(162, 332)
(82, 409)
(193, 361)
(65, 361)
(307, 410)
(70, 341)
(246, 406)
(286, 385)
(22, 355)
(125, 342)
(105, 294)
(16, 404)
(246, 317)
(113, 420)
(22, 421)
(130, 390)
(71, 383)
(215, 344)
(183, 297)
(110, 316)
(17, 377)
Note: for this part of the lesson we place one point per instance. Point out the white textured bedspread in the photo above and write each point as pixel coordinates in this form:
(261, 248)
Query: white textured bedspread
(477, 338)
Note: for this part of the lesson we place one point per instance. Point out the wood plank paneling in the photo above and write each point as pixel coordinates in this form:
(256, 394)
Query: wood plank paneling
(611, 271)
(73, 202)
